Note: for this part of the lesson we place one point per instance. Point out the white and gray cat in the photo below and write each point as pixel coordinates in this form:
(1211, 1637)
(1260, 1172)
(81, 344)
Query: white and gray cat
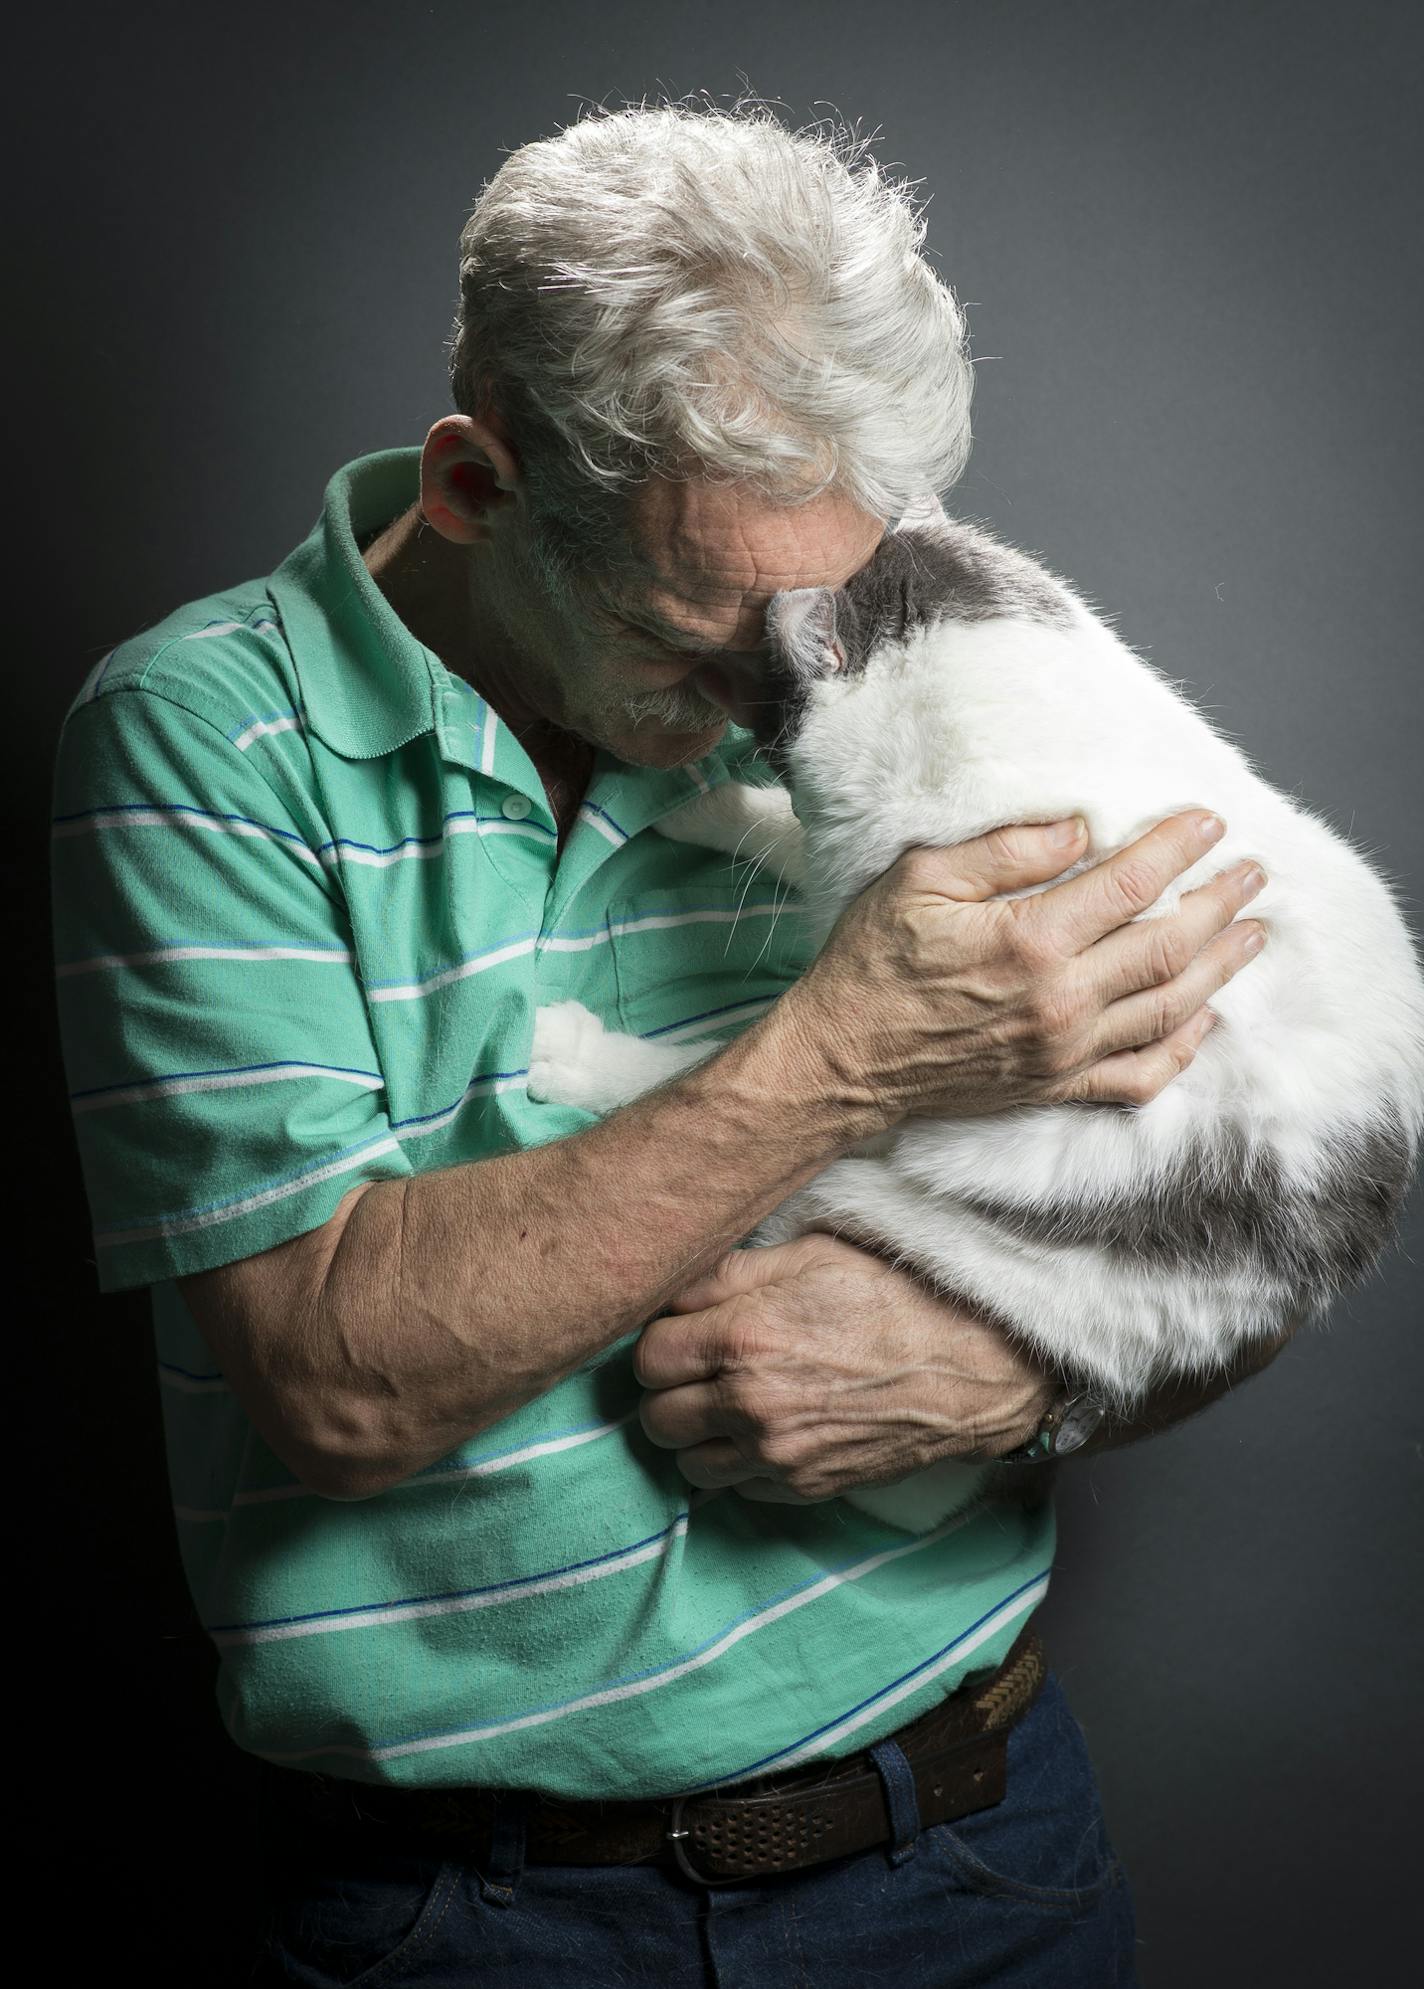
(951, 687)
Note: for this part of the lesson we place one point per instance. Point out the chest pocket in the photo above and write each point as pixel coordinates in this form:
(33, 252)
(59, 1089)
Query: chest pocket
(707, 962)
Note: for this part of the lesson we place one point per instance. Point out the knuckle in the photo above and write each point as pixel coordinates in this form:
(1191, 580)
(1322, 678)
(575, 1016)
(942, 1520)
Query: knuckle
(752, 1406)
(1168, 1008)
(651, 1416)
(1169, 1061)
(919, 868)
(1026, 940)
(1169, 951)
(1056, 1013)
(1145, 1082)
(741, 1339)
(816, 1248)
(1004, 846)
(698, 1470)
(1052, 1059)
(1132, 884)
(1064, 1057)
(781, 1449)
(736, 1355)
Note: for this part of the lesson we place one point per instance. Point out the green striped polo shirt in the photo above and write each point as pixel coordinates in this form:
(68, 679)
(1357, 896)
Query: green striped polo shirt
(307, 897)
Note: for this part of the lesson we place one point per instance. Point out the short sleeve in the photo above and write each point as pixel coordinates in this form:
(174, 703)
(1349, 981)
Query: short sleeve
(223, 1078)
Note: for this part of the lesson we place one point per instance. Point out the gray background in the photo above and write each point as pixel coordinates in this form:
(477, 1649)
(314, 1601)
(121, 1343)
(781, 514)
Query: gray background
(1182, 232)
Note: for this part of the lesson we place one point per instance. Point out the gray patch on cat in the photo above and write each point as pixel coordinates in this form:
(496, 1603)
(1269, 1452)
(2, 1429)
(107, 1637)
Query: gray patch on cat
(957, 574)
(778, 714)
(913, 579)
(1228, 1207)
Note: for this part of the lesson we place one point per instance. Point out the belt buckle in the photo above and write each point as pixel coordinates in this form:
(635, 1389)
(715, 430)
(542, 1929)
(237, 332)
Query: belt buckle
(675, 1834)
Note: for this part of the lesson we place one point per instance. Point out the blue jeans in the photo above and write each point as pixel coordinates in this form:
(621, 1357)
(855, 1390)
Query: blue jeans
(1027, 1895)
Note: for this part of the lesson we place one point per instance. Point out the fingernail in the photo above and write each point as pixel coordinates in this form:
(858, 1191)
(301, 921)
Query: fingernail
(1067, 832)
(1208, 1022)
(1252, 878)
(1210, 827)
(1254, 940)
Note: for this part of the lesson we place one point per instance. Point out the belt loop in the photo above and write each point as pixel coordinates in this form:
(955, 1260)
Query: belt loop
(897, 1778)
(502, 1866)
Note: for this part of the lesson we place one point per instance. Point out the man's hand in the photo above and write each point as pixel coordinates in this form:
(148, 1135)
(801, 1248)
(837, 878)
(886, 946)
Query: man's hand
(937, 995)
(805, 1370)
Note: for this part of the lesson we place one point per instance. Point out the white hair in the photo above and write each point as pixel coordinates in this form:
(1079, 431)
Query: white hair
(682, 289)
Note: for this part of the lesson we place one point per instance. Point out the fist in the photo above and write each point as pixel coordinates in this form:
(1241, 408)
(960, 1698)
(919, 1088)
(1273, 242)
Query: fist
(802, 1371)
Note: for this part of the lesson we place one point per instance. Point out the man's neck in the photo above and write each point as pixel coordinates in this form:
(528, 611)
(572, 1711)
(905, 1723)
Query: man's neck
(426, 580)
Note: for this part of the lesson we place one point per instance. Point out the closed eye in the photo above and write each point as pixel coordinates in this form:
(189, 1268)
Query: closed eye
(687, 645)
(684, 645)
(674, 639)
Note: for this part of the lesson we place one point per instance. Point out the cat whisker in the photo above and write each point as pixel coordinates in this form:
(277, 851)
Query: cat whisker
(784, 892)
(737, 856)
(755, 865)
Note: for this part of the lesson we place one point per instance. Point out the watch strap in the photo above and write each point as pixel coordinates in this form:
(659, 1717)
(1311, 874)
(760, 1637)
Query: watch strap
(1044, 1443)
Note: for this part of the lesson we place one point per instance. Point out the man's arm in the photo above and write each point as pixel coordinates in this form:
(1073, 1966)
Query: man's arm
(430, 1307)
(804, 1371)
(464, 1292)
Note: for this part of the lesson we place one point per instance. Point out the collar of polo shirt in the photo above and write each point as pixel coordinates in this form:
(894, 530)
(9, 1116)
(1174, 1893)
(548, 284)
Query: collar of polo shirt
(368, 686)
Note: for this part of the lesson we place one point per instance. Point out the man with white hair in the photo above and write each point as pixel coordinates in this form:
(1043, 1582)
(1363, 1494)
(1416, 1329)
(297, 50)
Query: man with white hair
(563, 1660)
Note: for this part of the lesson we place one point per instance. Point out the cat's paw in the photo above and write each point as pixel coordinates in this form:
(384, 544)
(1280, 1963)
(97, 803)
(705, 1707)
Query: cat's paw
(564, 1060)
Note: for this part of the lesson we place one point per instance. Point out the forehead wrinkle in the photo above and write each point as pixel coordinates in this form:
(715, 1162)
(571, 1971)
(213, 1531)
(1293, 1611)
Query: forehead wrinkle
(681, 638)
(713, 563)
(712, 625)
(720, 611)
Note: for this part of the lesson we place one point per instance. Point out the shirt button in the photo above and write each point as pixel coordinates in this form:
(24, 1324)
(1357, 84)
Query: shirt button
(515, 807)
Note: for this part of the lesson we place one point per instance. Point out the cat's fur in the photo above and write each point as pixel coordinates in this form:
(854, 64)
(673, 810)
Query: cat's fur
(954, 686)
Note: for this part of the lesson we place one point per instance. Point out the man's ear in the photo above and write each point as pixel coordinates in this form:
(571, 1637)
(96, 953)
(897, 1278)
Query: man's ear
(468, 469)
(801, 622)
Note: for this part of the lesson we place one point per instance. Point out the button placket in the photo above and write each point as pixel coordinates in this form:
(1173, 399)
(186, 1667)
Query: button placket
(621, 801)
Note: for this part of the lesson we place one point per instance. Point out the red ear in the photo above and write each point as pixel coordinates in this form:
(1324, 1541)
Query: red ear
(801, 621)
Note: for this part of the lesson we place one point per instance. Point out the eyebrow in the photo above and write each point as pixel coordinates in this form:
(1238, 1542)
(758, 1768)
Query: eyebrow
(676, 638)
(694, 645)
(691, 644)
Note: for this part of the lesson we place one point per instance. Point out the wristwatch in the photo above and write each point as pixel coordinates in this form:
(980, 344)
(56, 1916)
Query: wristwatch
(1067, 1424)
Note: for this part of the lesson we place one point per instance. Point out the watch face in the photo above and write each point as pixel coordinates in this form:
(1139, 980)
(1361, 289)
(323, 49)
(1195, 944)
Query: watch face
(1080, 1418)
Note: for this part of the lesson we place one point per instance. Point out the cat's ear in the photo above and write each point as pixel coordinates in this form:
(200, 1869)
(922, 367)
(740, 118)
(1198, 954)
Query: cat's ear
(801, 621)
(924, 513)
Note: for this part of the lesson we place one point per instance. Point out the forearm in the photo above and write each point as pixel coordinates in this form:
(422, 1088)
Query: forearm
(457, 1295)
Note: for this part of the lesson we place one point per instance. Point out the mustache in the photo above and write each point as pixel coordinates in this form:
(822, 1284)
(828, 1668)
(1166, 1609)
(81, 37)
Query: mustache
(678, 709)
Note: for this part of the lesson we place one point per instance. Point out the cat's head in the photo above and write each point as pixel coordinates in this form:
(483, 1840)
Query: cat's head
(820, 640)
(854, 702)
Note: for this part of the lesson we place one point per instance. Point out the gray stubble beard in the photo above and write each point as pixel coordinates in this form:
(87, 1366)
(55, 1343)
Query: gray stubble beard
(679, 710)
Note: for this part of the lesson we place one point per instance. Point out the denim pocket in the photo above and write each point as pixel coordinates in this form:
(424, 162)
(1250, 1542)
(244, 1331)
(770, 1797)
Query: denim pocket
(341, 1916)
(1046, 1843)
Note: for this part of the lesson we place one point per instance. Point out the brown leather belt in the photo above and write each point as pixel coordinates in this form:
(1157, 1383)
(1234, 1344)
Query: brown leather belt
(777, 1823)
